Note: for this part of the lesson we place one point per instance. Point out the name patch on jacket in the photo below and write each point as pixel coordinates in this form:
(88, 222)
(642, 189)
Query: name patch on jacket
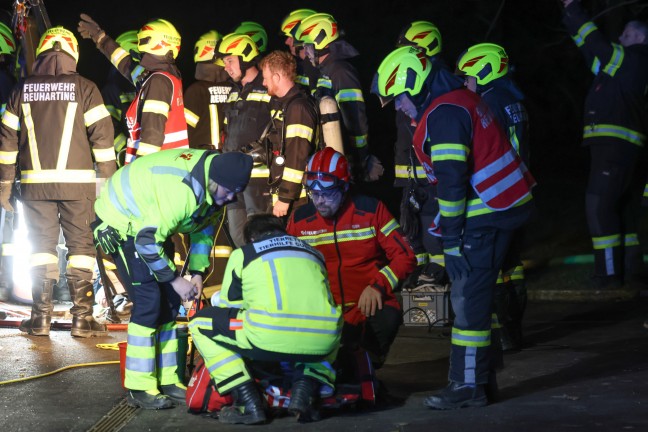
(218, 94)
(284, 241)
(49, 92)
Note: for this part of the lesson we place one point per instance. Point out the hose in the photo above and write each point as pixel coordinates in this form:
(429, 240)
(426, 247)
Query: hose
(59, 370)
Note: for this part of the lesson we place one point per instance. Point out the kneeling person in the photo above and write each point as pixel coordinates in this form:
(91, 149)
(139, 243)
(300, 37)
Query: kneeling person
(275, 305)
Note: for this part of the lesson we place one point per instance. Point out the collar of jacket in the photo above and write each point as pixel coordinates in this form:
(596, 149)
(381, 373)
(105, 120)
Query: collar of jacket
(154, 63)
(54, 63)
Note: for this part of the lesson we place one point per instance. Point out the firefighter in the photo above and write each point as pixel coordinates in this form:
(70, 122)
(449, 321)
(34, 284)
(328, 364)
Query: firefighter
(293, 132)
(486, 67)
(205, 99)
(320, 37)
(615, 133)
(307, 74)
(191, 186)
(256, 32)
(54, 126)
(484, 194)
(155, 118)
(275, 298)
(366, 253)
(247, 117)
(7, 81)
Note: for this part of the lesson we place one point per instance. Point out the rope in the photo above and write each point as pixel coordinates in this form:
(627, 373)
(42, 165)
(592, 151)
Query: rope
(59, 370)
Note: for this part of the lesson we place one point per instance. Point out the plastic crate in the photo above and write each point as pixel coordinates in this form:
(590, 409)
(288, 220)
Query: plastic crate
(433, 304)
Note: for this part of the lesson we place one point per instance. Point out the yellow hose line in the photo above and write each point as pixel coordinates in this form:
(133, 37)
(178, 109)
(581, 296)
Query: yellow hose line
(59, 370)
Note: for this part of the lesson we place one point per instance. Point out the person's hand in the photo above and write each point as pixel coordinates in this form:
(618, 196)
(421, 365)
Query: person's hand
(370, 301)
(197, 281)
(374, 169)
(185, 289)
(89, 29)
(456, 265)
(5, 195)
(107, 237)
(280, 208)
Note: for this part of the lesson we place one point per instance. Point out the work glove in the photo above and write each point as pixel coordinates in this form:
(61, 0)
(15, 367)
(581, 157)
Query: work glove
(5, 195)
(88, 29)
(456, 265)
(373, 168)
(185, 289)
(107, 237)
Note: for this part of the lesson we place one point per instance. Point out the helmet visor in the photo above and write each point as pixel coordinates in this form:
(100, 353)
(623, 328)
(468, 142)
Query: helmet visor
(316, 180)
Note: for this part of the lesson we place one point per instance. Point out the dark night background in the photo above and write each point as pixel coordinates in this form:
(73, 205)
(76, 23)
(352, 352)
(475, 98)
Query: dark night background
(545, 62)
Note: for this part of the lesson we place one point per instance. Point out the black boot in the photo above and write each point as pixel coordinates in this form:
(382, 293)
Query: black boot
(41, 314)
(148, 400)
(458, 395)
(62, 292)
(83, 324)
(302, 395)
(247, 408)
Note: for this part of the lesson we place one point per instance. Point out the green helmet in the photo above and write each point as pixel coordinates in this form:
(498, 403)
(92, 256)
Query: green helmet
(7, 41)
(403, 70)
(484, 61)
(256, 32)
(319, 29)
(128, 41)
(205, 47)
(240, 45)
(423, 34)
(291, 22)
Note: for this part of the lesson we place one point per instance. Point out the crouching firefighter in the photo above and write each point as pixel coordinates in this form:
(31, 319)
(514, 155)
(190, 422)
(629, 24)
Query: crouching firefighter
(138, 210)
(275, 305)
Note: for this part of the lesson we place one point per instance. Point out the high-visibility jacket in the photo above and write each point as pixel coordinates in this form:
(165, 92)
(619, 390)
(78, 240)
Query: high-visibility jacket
(163, 194)
(615, 107)
(54, 127)
(280, 284)
(458, 139)
(363, 246)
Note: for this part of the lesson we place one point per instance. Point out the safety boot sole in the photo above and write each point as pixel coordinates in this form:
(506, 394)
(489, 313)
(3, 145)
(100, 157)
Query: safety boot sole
(440, 404)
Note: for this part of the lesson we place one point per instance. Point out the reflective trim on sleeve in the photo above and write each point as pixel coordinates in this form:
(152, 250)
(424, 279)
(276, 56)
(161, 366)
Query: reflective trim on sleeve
(615, 60)
(8, 157)
(292, 175)
(104, 155)
(349, 95)
(583, 32)
(156, 107)
(95, 114)
(191, 118)
(389, 227)
(258, 97)
(118, 55)
(11, 120)
(360, 141)
(299, 130)
(450, 151)
(146, 149)
(452, 208)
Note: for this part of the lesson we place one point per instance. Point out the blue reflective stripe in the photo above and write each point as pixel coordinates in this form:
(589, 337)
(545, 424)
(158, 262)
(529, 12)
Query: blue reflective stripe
(200, 249)
(293, 316)
(223, 362)
(196, 187)
(169, 359)
(290, 329)
(128, 193)
(615, 61)
(494, 167)
(141, 341)
(275, 284)
(583, 32)
(389, 227)
(167, 335)
(140, 364)
(596, 66)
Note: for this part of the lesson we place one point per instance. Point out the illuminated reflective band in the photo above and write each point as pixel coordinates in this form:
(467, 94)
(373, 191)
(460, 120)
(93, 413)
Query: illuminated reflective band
(221, 251)
(324, 82)
(175, 136)
(118, 55)
(583, 32)
(81, 261)
(608, 130)
(421, 259)
(156, 107)
(11, 120)
(476, 207)
(389, 227)
(403, 171)
(342, 236)
(495, 324)
(109, 265)
(517, 273)
(233, 96)
(452, 208)
(39, 259)
(104, 155)
(450, 151)
(114, 112)
(95, 114)
(126, 98)
(437, 259)
(631, 239)
(3, 108)
(260, 173)
(605, 242)
(31, 137)
(389, 275)
(470, 338)
(515, 142)
(66, 136)
(292, 175)
(7, 249)
(615, 60)
(58, 176)
(349, 95)
(136, 73)
(360, 141)
(214, 125)
(8, 157)
(119, 142)
(645, 194)
(145, 149)
(258, 97)
(299, 130)
(301, 79)
(191, 118)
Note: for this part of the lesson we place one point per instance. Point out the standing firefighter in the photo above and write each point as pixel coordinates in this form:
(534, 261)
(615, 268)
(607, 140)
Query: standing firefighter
(54, 126)
(191, 186)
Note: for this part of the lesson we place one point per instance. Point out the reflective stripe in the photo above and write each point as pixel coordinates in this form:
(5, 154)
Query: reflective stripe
(11, 120)
(66, 136)
(299, 130)
(214, 125)
(221, 251)
(583, 32)
(448, 151)
(229, 359)
(260, 173)
(56, 176)
(349, 95)
(39, 259)
(145, 149)
(360, 141)
(283, 315)
(596, 66)
(476, 207)
(437, 259)
(95, 114)
(118, 55)
(495, 324)
(200, 249)
(490, 172)
(104, 155)
(471, 338)
(631, 240)
(324, 82)
(140, 364)
(615, 60)
(405, 171)
(156, 107)
(31, 137)
(421, 259)
(82, 262)
(8, 157)
(452, 208)
(390, 276)
(645, 192)
(292, 175)
(389, 227)
(191, 118)
(258, 97)
(253, 323)
(342, 236)
(136, 73)
(605, 242)
(608, 130)
(175, 136)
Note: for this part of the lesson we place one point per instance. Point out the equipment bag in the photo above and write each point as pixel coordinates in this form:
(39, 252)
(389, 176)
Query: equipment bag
(202, 396)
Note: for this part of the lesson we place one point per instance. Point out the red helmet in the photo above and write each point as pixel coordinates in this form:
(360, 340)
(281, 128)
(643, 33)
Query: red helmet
(327, 169)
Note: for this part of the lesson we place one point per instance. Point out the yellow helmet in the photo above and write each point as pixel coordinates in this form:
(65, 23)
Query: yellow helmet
(256, 32)
(404, 70)
(319, 29)
(484, 61)
(128, 41)
(291, 22)
(159, 37)
(240, 45)
(7, 41)
(205, 47)
(59, 39)
(423, 34)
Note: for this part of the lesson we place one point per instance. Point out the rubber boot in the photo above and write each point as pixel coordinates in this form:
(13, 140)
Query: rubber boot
(458, 395)
(247, 408)
(302, 395)
(83, 324)
(62, 292)
(41, 314)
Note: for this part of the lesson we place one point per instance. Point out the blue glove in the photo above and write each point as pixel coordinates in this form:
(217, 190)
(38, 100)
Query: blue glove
(107, 237)
(456, 265)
